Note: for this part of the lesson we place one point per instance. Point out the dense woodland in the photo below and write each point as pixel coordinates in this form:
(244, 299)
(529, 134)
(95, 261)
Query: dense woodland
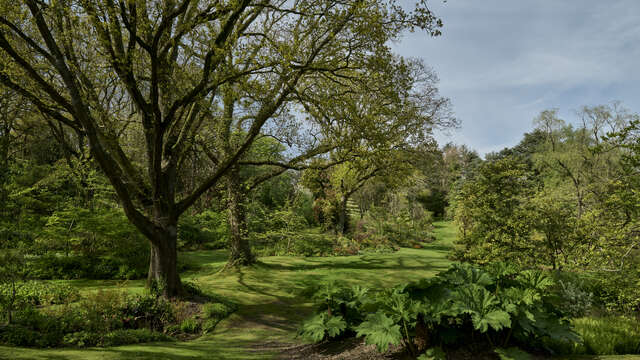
(138, 135)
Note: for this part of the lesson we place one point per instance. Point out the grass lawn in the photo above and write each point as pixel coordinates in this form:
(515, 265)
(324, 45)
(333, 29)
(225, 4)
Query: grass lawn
(268, 294)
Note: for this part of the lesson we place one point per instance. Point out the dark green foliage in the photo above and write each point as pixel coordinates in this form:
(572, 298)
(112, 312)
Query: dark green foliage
(147, 311)
(53, 266)
(207, 230)
(495, 305)
(16, 335)
(102, 319)
(69, 220)
(132, 336)
(109, 318)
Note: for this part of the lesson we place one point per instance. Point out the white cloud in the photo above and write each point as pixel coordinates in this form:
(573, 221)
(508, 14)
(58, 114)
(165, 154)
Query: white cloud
(502, 61)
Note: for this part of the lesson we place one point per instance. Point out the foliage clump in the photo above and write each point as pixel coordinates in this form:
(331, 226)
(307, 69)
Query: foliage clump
(110, 318)
(465, 305)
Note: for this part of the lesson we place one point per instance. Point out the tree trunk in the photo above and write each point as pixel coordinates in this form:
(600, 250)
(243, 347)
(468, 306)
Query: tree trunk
(239, 248)
(163, 264)
(343, 217)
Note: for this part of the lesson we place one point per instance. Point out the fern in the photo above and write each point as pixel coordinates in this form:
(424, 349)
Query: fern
(380, 330)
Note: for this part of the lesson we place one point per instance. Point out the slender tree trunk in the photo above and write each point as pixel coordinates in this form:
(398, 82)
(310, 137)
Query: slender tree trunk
(163, 264)
(4, 169)
(343, 216)
(239, 248)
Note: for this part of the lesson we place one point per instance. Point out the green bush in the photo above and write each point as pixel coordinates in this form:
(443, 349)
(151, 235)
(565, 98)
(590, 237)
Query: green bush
(497, 304)
(282, 243)
(104, 318)
(16, 335)
(81, 339)
(39, 293)
(147, 311)
(132, 336)
(207, 230)
(53, 266)
(619, 291)
(573, 293)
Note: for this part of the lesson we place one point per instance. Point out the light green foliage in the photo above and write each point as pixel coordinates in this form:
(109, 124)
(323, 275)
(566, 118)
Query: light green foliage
(323, 326)
(38, 293)
(482, 306)
(380, 330)
(494, 221)
(190, 326)
(609, 335)
(558, 198)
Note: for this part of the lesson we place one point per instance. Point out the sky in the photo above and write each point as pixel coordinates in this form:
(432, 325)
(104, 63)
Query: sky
(501, 62)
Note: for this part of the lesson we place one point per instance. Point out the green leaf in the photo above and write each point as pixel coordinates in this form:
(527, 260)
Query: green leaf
(335, 326)
(380, 330)
(316, 328)
(535, 279)
(497, 319)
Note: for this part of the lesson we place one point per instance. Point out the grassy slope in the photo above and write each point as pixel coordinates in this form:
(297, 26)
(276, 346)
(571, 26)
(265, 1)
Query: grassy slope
(270, 308)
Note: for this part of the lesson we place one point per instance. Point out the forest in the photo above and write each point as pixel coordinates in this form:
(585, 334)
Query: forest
(261, 179)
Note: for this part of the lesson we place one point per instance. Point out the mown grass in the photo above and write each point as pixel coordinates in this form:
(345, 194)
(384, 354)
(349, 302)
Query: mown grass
(271, 307)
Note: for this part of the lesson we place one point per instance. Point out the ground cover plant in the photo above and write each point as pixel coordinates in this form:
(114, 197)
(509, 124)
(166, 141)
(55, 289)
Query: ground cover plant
(106, 318)
(463, 306)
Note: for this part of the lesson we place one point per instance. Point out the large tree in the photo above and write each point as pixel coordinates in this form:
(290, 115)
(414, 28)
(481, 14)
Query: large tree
(150, 71)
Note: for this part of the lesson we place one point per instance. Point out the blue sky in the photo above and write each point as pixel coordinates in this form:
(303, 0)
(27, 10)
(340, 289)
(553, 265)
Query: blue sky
(502, 62)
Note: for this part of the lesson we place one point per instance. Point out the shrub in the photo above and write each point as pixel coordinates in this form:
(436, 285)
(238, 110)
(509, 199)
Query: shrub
(497, 304)
(104, 318)
(207, 230)
(619, 291)
(40, 293)
(52, 266)
(282, 242)
(81, 339)
(16, 335)
(574, 301)
(132, 336)
(148, 311)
